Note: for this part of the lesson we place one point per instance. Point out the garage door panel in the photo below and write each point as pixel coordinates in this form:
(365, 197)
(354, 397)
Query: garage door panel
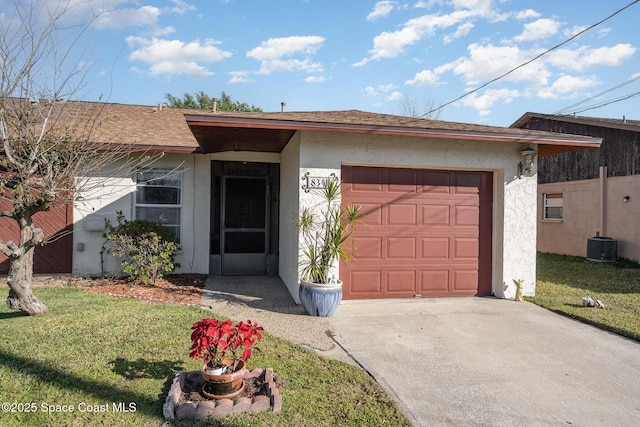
(466, 248)
(401, 181)
(366, 282)
(433, 281)
(435, 182)
(434, 248)
(366, 180)
(401, 248)
(401, 281)
(436, 215)
(467, 182)
(401, 215)
(467, 216)
(423, 233)
(367, 248)
(371, 213)
(465, 281)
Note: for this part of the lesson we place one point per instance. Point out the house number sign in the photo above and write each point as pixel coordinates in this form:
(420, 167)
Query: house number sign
(316, 182)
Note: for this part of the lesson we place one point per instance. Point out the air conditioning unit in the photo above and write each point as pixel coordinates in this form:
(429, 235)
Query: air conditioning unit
(602, 249)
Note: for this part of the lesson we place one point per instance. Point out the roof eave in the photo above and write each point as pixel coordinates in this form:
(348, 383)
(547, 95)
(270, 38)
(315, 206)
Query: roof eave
(261, 123)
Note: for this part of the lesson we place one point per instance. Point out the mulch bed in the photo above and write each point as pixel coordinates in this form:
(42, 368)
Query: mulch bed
(184, 289)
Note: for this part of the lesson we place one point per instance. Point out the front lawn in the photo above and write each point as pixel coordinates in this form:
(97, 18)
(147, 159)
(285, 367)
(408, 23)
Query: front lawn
(99, 360)
(564, 280)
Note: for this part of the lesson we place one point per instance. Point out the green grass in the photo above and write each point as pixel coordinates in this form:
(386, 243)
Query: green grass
(91, 351)
(564, 280)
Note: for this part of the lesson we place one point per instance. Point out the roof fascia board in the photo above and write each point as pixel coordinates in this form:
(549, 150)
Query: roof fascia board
(239, 122)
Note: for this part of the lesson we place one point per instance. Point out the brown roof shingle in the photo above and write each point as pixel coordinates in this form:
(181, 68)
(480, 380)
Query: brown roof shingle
(145, 126)
(172, 129)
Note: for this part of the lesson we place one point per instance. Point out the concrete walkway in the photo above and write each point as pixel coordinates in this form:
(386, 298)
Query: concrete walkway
(266, 300)
(491, 362)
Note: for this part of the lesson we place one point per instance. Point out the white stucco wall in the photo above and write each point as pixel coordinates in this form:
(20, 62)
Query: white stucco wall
(514, 206)
(518, 246)
(117, 194)
(289, 207)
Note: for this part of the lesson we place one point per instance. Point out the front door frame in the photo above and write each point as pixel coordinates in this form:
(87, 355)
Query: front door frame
(220, 171)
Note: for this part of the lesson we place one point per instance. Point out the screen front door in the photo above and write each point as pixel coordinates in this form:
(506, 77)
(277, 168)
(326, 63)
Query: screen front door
(244, 225)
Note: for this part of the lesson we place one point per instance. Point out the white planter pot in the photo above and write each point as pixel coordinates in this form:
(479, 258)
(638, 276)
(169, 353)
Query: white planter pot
(320, 299)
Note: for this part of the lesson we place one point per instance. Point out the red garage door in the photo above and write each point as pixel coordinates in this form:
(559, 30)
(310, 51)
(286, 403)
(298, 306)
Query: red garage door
(55, 256)
(425, 232)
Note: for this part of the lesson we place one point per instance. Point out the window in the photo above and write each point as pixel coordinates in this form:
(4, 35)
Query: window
(159, 197)
(552, 207)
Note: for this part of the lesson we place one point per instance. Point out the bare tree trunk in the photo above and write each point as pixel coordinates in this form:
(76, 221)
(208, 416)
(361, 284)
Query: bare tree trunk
(21, 296)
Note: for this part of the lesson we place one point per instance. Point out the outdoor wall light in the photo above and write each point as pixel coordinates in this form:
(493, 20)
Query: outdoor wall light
(626, 199)
(525, 167)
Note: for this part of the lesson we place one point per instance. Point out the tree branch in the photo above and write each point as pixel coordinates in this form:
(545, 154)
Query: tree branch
(4, 249)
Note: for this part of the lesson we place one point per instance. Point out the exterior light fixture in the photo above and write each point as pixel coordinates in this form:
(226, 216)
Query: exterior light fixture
(525, 167)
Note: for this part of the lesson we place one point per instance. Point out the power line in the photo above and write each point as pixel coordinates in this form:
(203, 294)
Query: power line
(533, 59)
(605, 103)
(563, 110)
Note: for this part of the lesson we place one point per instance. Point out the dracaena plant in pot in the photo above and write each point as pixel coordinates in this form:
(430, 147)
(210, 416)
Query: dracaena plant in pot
(224, 347)
(324, 230)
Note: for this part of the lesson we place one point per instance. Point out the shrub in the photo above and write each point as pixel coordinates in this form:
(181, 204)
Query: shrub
(147, 249)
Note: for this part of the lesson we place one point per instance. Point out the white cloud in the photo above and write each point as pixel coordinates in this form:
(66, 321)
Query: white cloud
(181, 7)
(391, 44)
(108, 14)
(239, 77)
(567, 84)
(387, 88)
(610, 56)
(570, 32)
(583, 57)
(380, 10)
(483, 103)
(486, 62)
(395, 96)
(527, 14)
(554, 75)
(424, 78)
(462, 31)
(370, 90)
(539, 29)
(315, 79)
(478, 7)
(272, 52)
(169, 57)
(382, 89)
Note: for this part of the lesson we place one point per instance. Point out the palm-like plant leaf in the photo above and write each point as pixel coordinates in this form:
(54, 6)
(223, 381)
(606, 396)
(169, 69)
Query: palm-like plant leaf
(324, 231)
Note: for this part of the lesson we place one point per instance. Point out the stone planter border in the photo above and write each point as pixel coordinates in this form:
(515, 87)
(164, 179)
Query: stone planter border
(172, 409)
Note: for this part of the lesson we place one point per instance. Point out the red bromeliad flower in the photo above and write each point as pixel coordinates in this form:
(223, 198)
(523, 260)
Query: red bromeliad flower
(211, 339)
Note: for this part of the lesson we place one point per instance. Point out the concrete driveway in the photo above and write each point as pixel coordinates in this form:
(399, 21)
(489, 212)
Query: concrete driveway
(491, 362)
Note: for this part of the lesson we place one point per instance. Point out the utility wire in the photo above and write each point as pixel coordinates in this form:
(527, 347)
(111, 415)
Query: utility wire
(566, 109)
(531, 60)
(605, 103)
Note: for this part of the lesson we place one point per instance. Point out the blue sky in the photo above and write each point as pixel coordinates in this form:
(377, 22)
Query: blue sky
(368, 55)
